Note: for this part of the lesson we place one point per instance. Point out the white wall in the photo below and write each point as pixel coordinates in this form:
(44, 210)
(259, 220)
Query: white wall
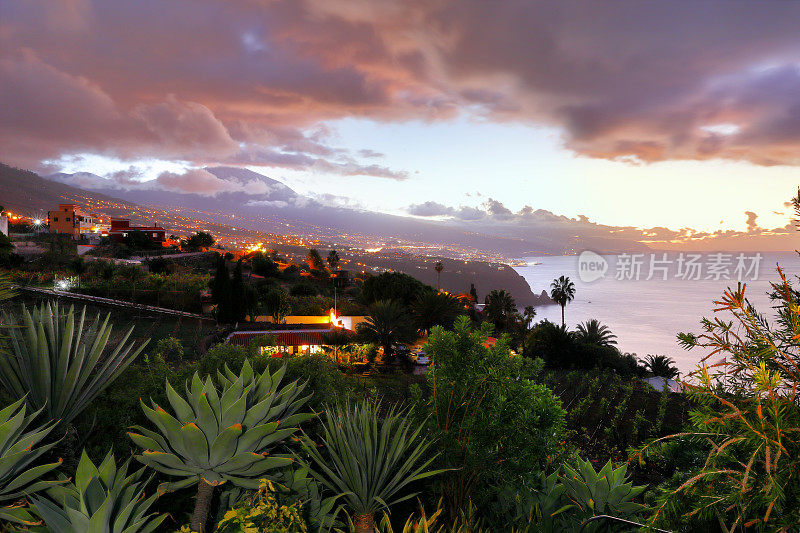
(4, 225)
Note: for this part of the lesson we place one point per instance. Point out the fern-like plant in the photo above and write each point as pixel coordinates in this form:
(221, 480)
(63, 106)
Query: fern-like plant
(745, 420)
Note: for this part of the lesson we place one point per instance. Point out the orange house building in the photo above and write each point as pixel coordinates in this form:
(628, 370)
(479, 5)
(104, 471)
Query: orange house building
(71, 220)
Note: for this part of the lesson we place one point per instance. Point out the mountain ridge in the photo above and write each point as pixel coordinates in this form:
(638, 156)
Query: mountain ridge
(262, 203)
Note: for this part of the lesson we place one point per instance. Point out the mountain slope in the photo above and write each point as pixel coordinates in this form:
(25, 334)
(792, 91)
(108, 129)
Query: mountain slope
(29, 194)
(263, 204)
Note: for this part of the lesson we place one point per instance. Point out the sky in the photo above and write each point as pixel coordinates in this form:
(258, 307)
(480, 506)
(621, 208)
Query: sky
(677, 114)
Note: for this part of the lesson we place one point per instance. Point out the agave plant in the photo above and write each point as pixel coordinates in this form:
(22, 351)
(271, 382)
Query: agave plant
(604, 492)
(217, 437)
(540, 508)
(104, 498)
(368, 461)
(57, 366)
(18, 477)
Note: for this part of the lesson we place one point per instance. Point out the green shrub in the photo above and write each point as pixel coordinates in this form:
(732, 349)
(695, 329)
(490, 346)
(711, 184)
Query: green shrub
(263, 513)
(393, 286)
(324, 378)
(220, 355)
(304, 289)
(292, 504)
(170, 349)
(560, 348)
(503, 426)
(746, 419)
(106, 420)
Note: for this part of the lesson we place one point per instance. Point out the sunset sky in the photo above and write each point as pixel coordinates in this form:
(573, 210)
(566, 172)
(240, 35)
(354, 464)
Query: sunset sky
(675, 114)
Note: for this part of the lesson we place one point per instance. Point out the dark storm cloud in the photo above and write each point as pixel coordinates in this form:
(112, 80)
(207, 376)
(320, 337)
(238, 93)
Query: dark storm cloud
(254, 82)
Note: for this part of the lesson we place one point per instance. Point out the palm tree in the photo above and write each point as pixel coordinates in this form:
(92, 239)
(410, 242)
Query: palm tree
(368, 460)
(592, 331)
(661, 366)
(500, 308)
(562, 291)
(386, 324)
(333, 259)
(528, 315)
(524, 324)
(438, 268)
(335, 340)
(435, 309)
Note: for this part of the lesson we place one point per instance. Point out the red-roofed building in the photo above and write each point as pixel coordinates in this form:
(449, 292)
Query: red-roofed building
(121, 228)
(297, 338)
(287, 338)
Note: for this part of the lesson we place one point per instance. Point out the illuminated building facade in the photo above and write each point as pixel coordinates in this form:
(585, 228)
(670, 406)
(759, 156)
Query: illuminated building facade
(71, 220)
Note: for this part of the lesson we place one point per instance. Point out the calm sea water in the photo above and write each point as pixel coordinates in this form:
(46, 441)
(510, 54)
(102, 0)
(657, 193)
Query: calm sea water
(646, 314)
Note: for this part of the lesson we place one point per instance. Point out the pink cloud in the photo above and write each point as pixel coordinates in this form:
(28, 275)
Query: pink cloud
(639, 82)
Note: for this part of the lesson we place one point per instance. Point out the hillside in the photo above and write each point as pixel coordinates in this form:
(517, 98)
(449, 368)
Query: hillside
(29, 194)
(261, 203)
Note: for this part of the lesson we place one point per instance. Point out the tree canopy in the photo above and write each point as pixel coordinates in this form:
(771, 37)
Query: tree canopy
(393, 286)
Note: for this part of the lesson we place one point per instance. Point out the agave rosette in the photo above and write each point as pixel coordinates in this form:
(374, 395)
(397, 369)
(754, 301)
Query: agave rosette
(223, 437)
(57, 363)
(19, 477)
(104, 498)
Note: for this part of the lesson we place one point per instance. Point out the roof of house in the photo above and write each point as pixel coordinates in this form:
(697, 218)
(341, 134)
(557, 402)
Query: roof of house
(136, 228)
(296, 337)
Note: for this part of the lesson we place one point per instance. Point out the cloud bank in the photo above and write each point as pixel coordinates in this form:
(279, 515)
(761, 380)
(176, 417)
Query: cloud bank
(495, 218)
(631, 81)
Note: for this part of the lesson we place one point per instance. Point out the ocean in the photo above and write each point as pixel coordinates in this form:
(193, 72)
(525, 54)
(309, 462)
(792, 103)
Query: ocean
(646, 314)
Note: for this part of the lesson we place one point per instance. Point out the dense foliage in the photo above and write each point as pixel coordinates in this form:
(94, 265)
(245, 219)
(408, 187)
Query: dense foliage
(746, 421)
(393, 286)
(480, 398)
(529, 430)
